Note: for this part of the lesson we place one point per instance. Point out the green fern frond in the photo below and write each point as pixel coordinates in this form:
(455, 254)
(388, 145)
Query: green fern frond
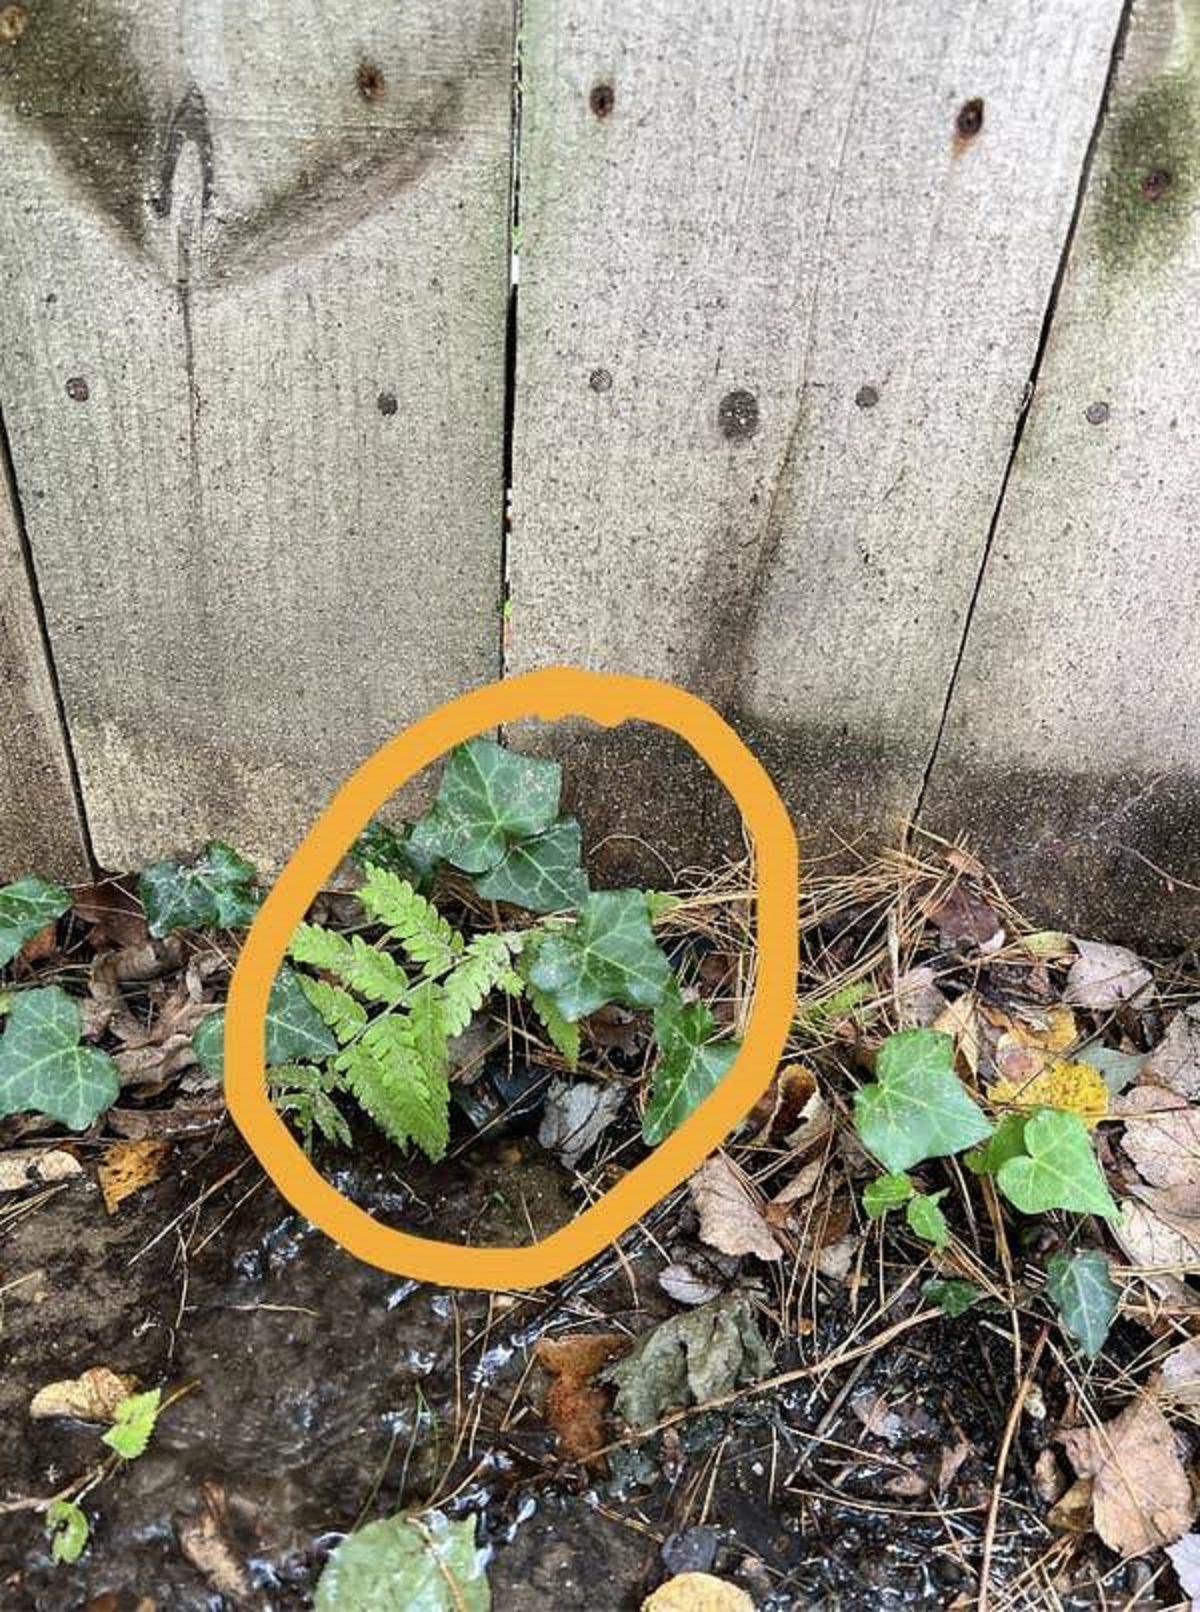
(485, 966)
(306, 1094)
(320, 948)
(563, 1034)
(344, 1016)
(359, 965)
(421, 930)
(385, 1074)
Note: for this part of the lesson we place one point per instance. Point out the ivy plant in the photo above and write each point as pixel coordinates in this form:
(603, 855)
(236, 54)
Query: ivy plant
(44, 1067)
(26, 907)
(918, 1109)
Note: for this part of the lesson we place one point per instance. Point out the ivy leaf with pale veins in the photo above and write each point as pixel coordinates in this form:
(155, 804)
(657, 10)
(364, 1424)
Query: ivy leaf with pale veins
(1085, 1296)
(295, 1031)
(215, 892)
(1060, 1170)
(925, 1218)
(544, 874)
(691, 1064)
(918, 1109)
(951, 1294)
(1006, 1142)
(43, 1068)
(608, 955)
(488, 796)
(26, 907)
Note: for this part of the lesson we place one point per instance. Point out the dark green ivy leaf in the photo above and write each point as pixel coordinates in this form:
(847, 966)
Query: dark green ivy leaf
(25, 908)
(1006, 1142)
(43, 1067)
(691, 1064)
(380, 846)
(215, 892)
(951, 1294)
(488, 797)
(608, 955)
(544, 874)
(884, 1193)
(1085, 1296)
(295, 1031)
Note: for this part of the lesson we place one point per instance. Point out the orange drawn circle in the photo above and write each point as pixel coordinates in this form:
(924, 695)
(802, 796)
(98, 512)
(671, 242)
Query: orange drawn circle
(552, 694)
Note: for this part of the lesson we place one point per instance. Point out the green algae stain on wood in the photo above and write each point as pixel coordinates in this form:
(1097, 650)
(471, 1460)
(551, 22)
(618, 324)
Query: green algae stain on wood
(1148, 188)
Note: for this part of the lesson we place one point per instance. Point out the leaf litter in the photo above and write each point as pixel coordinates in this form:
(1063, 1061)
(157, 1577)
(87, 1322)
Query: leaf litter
(775, 1268)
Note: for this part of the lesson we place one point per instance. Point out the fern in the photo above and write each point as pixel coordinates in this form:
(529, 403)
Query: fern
(365, 969)
(425, 936)
(306, 1094)
(344, 1016)
(563, 1034)
(485, 966)
(386, 1071)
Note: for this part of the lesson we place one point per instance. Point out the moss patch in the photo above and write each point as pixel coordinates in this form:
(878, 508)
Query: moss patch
(1149, 184)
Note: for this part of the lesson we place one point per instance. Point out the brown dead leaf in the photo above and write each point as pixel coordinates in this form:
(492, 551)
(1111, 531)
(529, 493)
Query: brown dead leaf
(1141, 1497)
(782, 1208)
(907, 1485)
(835, 1259)
(952, 1458)
(730, 1217)
(40, 946)
(19, 1170)
(114, 912)
(1175, 1062)
(616, 1028)
(92, 1397)
(1157, 1250)
(127, 1167)
(783, 1105)
(962, 861)
(1049, 1478)
(181, 1119)
(1072, 1513)
(1103, 977)
(575, 1405)
(966, 922)
(204, 1541)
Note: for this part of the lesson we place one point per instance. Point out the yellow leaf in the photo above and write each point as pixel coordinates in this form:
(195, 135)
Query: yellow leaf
(697, 1592)
(1048, 943)
(127, 1167)
(1056, 1032)
(1074, 1088)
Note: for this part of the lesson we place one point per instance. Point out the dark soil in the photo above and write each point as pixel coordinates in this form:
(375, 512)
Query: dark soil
(326, 1390)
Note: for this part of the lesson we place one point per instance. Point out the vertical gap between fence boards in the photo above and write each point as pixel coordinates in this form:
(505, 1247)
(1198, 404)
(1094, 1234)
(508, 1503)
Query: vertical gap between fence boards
(1026, 408)
(10, 489)
(513, 261)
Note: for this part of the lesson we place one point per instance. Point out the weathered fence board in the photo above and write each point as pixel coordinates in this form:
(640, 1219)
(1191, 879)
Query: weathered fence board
(1073, 741)
(39, 817)
(252, 366)
(780, 298)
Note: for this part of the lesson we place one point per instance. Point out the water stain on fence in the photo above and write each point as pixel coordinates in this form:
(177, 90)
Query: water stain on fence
(119, 125)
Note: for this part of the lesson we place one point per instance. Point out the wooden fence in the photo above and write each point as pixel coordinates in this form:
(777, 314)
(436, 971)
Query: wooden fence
(849, 382)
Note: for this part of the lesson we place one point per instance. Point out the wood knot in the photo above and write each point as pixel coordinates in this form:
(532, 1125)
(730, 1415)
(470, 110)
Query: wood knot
(737, 414)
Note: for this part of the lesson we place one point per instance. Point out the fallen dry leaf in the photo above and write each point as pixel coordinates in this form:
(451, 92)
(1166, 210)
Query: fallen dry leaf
(1179, 1379)
(1175, 1062)
(1185, 1559)
(1048, 1477)
(575, 1406)
(952, 1458)
(960, 1020)
(877, 1417)
(204, 1542)
(1158, 1251)
(1072, 1512)
(697, 1592)
(114, 912)
(37, 1169)
(1103, 977)
(1074, 1088)
(686, 1286)
(730, 1218)
(40, 946)
(966, 922)
(1141, 1497)
(93, 1396)
(783, 1106)
(576, 1116)
(919, 1002)
(835, 1260)
(127, 1167)
(1162, 1137)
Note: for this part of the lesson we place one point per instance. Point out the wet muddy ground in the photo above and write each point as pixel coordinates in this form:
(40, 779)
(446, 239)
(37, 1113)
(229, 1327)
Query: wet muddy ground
(326, 1392)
